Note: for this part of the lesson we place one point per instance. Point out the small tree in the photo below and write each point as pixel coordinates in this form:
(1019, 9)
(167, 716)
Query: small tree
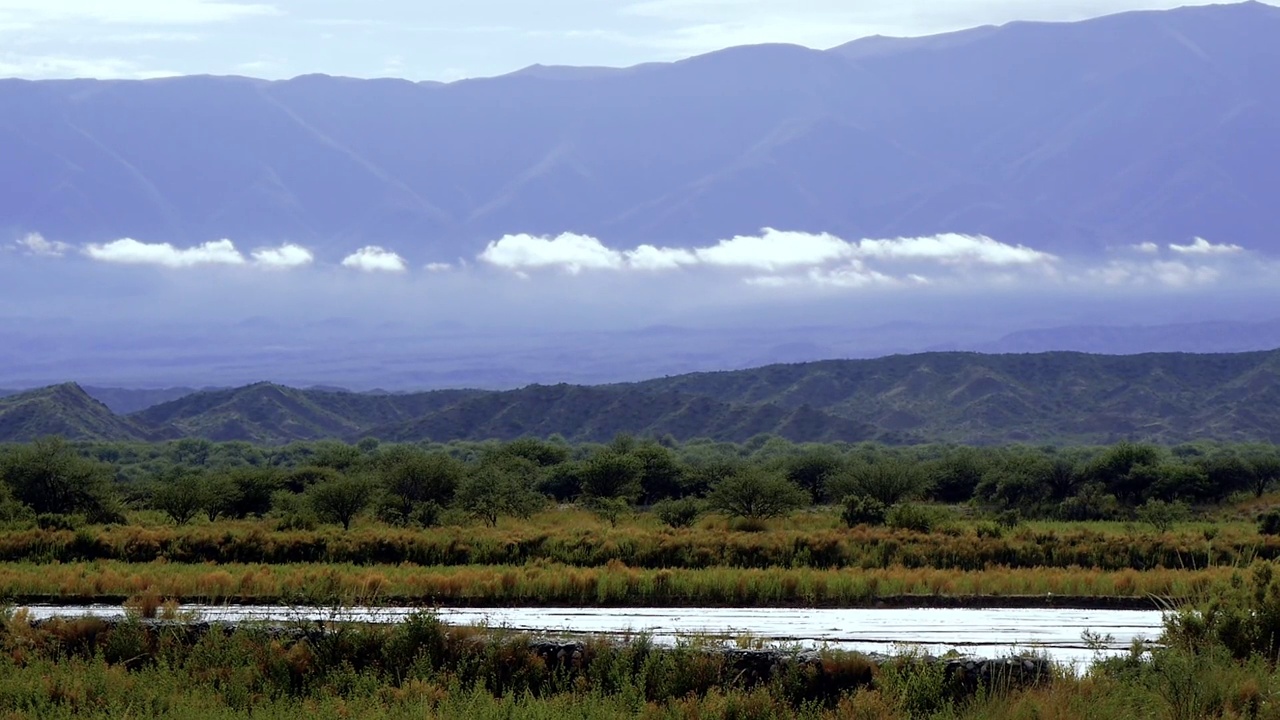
(220, 496)
(887, 480)
(678, 513)
(863, 510)
(416, 484)
(756, 494)
(50, 477)
(181, 496)
(1162, 515)
(341, 500)
(500, 487)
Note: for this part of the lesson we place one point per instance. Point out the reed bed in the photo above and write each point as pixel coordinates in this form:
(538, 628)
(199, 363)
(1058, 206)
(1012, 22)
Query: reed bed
(615, 584)
(642, 544)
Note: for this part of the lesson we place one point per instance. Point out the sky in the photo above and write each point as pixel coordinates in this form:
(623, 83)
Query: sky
(446, 41)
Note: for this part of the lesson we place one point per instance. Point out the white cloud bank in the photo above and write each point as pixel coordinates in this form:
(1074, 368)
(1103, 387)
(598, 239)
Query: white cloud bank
(784, 257)
(284, 257)
(128, 251)
(375, 259)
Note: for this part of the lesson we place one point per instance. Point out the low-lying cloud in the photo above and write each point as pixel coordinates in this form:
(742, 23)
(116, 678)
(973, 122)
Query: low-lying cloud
(284, 257)
(774, 258)
(373, 258)
(1203, 247)
(128, 251)
(35, 244)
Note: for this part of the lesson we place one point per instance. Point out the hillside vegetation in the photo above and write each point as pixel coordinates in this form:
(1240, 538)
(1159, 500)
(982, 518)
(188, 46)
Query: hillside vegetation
(937, 397)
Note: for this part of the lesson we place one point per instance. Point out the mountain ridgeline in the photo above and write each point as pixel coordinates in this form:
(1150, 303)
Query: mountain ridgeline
(1071, 136)
(936, 397)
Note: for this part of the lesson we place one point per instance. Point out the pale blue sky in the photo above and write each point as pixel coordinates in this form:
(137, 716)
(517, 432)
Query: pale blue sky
(434, 40)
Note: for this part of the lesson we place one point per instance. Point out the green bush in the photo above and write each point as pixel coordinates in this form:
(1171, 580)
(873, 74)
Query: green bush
(863, 510)
(678, 513)
(919, 518)
(1269, 523)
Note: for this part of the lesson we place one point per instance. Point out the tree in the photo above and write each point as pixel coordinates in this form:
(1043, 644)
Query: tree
(662, 476)
(889, 481)
(498, 487)
(611, 474)
(254, 487)
(955, 477)
(221, 495)
(1115, 469)
(813, 468)
(1162, 515)
(1266, 470)
(678, 513)
(756, 494)
(49, 477)
(181, 496)
(341, 500)
(416, 484)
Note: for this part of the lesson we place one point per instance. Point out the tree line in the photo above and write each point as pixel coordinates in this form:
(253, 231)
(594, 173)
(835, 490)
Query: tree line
(56, 483)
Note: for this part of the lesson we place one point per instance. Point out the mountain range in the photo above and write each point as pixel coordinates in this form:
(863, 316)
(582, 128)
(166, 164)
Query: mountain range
(932, 397)
(1073, 137)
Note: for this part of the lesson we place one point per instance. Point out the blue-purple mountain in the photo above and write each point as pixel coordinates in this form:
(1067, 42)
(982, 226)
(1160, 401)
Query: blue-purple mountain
(1142, 126)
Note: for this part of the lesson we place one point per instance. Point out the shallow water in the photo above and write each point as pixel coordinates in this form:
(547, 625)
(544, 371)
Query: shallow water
(1057, 633)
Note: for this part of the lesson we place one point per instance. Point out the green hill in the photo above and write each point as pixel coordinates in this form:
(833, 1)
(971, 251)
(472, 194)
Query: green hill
(935, 397)
(67, 410)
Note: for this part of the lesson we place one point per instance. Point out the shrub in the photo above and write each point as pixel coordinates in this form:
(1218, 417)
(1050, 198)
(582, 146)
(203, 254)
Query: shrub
(1269, 523)
(58, 521)
(863, 510)
(914, 517)
(756, 494)
(678, 513)
(1162, 515)
(340, 501)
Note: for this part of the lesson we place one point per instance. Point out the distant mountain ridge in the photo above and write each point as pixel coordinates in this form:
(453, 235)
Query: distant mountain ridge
(931, 397)
(1071, 137)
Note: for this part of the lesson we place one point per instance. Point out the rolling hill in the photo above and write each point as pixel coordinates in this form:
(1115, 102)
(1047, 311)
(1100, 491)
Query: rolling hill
(934, 397)
(1074, 136)
(67, 410)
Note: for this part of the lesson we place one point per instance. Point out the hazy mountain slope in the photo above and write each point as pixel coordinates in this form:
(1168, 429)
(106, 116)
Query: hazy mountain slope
(68, 411)
(599, 414)
(270, 413)
(957, 397)
(986, 398)
(1068, 136)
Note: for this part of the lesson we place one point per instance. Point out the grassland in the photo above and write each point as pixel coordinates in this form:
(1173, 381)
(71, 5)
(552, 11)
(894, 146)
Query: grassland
(566, 556)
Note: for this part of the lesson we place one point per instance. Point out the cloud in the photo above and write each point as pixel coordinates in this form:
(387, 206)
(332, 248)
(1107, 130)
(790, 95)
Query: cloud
(36, 244)
(1148, 248)
(128, 251)
(375, 259)
(774, 250)
(570, 252)
(438, 267)
(774, 257)
(1204, 247)
(1173, 274)
(648, 257)
(954, 248)
(283, 257)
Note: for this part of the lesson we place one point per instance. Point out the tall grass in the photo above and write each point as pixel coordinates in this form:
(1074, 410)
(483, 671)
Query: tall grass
(551, 584)
(583, 541)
